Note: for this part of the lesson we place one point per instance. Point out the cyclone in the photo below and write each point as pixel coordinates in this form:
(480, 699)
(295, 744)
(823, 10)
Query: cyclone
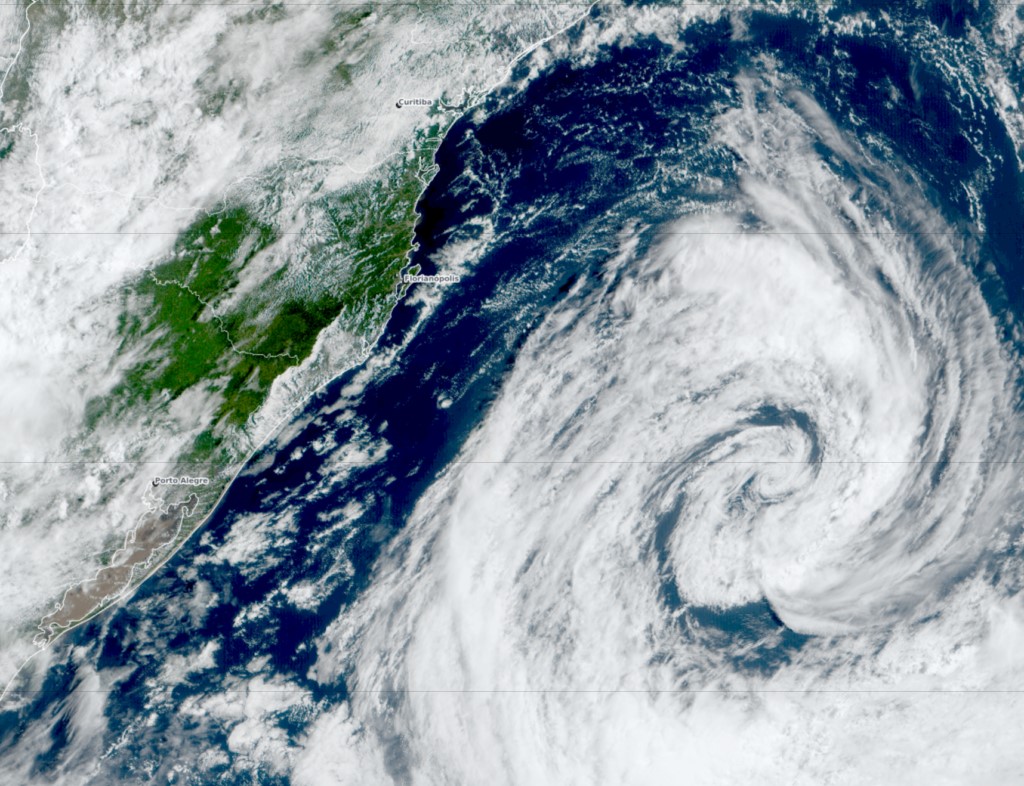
(691, 455)
(743, 480)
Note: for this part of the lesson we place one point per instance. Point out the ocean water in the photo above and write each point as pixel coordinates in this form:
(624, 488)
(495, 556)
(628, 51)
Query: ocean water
(552, 199)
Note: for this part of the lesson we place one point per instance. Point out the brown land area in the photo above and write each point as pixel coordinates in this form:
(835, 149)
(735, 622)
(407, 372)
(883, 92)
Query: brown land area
(156, 531)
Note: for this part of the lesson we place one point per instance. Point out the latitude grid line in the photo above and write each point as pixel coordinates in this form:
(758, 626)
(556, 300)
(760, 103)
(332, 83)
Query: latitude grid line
(400, 3)
(734, 233)
(449, 3)
(581, 462)
(590, 691)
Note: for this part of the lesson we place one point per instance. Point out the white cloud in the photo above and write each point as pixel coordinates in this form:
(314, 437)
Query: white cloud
(779, 405)
(133, 125)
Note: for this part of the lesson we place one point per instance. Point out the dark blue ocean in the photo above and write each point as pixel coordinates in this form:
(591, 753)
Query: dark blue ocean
(557, 166)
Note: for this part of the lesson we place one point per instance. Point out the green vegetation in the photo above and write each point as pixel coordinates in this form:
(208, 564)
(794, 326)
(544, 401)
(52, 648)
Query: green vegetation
(285, 341)
(175, 323)
(373, 227)
(376, 222)
(186, 345)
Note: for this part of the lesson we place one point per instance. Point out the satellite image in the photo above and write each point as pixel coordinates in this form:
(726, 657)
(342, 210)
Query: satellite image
(511, 392)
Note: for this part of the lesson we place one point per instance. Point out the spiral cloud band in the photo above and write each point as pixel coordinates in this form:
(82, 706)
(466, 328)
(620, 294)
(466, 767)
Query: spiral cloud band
(728, 499)
(689, 452)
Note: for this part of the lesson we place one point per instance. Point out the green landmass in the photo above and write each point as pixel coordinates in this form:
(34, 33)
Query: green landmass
(182, 330)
